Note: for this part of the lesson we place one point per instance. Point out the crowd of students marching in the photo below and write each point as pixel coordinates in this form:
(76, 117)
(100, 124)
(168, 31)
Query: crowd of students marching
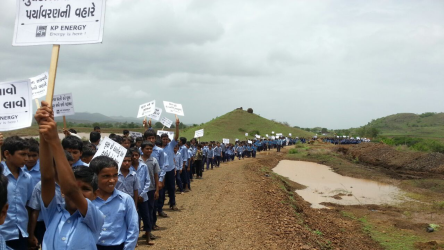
(55, 196)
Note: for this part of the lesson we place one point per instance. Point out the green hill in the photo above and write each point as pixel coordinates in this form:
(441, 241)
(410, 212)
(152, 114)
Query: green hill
(236, 123)
(426, 125)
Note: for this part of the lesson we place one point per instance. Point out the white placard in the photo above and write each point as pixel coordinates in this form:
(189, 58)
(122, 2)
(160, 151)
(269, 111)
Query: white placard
(173, 108)
(258, 136)
(266, 135)
(39, 85)
(226, 140)
(199, 133)
(63, 105)
(237, 139)
(156, 114)
(279, 134)
(250, 142)
(289, 134)
(146, 109)
(111, 149)
(272, 137)
(272, 132)
(16, 105)
(169, 133)
(59, 22)
(135, 134)
(246, 134)
(166, 122)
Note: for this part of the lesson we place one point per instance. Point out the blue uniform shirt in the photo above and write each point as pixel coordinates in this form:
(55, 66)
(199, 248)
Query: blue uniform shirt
(121, 220)
(36, 197)
(144, 180)
(34, 173)
(169, 150)
(184, 154)
(19, 193)
(210, 153)
(178, 162)
(160, 157)
(66, 231)
(79, 163)
(128, 184)
(217, 151)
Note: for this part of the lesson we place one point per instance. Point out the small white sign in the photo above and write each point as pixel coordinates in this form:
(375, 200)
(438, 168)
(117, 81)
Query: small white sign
(272, 137)
(272, 132)
(166, 122)
(59, 22)
(289, 134)
(199, 133)
(246, 134)
(135, 134)
(250, 142)
(279, 134)
(16, 105)
(237, 139)
(111, 149)
(226, 140)
(146, 109)
(169, 133)
(63, 105)
(258, 136)
(173, 108)
(156, 114)
(266, 135)
(39, 85)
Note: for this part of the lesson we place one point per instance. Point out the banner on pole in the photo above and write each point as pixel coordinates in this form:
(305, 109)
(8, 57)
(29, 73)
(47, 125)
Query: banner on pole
(146, 109)
(59, 22)
(166, 122)
(173, 108)
(63, 105)
(169, 133)
(226, 140)
(39, 85)
(135, 134)
(199, 133)
(111, 149)
(156, 114)
(16, 108)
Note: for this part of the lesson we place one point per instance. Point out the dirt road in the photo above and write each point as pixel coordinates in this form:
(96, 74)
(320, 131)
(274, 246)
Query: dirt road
(243, 205)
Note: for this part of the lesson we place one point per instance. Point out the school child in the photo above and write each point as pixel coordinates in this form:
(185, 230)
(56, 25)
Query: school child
(87, 153)
(139, 141)
(210, 157)
(14, 230)
(184, 153)
(248, 150)
(121, 228)
(223, 148)
(94, 139)
(178, 164)
(74, 146)
(169, 180)
(77, 224)
(3, 202)
(217, 154)
(32, 164)
(190, 162)
(144, 179)
(254, 147)
(198, 162)
(126, 142)
(153, 171)
(127, 181)
(240, 151)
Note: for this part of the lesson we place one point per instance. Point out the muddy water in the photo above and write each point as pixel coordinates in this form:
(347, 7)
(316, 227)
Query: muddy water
(324, 185)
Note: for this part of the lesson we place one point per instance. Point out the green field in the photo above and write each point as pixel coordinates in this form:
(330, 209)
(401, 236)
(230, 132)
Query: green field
(236, 123)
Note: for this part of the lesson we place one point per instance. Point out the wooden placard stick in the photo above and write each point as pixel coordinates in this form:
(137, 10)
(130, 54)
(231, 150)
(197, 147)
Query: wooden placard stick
(52, 73)
(64, 122)
(37, 103)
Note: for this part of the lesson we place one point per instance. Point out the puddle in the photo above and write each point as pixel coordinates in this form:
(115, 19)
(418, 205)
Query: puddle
(324, 185)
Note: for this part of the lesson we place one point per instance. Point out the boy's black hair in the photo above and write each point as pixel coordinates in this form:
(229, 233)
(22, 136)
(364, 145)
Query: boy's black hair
(148, 133)
(94, 137)
(96, 127)
(158, 143)
(68, 156)
(72, 142)
(139, 139)
(188, 143)
(183, 140)
(72, 130)
(129, 138)
(33, 145)
(134, 150)
(101, 162)
(88, 151)
(164, 135)
(199, 145)
(125, 131)
(146, 143)
(112, 134)
(129, 154)
(3, 188)
(86, 175)
(116, 138)
(14, 143)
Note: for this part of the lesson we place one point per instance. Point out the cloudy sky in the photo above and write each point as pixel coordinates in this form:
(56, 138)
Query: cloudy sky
(334, 64)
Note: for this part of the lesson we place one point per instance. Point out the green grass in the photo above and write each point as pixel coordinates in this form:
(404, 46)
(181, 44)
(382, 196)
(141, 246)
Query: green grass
(390, 238)
(236, 123)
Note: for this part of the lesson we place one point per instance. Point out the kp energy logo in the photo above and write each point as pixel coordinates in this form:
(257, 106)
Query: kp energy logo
(41, 31)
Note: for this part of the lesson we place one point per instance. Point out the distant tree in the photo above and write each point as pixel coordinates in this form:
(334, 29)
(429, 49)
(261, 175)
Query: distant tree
(324, 130)
(158, 125)
(250, 110)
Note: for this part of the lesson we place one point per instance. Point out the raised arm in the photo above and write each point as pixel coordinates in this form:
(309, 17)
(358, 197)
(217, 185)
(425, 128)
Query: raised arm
(176, 136)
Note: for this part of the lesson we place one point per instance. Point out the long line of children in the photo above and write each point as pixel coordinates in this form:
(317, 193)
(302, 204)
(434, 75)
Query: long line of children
(61, 198)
